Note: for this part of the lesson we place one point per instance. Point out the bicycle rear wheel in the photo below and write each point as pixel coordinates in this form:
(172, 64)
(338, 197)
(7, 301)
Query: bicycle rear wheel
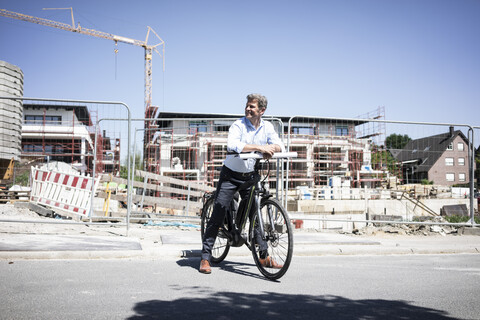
(221, 247)
(279, 238)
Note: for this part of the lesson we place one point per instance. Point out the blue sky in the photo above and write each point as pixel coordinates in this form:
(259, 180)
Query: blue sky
(418, 59)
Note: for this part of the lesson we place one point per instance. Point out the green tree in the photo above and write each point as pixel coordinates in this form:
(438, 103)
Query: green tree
(397, 141)
(138, 166)
(382, 159)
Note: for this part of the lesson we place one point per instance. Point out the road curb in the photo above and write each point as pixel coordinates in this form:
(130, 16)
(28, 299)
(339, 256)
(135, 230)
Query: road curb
(178, 251)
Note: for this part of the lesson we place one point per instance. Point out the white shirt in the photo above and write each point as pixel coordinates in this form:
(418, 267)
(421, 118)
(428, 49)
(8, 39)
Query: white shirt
(241, 133)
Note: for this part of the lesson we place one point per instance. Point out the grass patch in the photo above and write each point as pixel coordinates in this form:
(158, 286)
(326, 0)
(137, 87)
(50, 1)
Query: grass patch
(461, 219)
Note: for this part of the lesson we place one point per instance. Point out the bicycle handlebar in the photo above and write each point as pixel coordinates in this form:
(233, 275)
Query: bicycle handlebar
(276, 155)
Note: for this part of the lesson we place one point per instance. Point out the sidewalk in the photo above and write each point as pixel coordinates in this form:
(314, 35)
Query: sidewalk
(67, 241)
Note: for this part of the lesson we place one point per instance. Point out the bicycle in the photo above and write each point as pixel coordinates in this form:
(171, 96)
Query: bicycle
(271, 217)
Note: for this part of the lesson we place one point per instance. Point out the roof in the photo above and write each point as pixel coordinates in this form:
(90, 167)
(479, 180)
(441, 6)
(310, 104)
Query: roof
(81, 112)
(285, 119)
(425, 151)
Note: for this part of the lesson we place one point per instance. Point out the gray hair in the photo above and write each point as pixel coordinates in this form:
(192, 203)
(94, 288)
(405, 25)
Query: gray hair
(262, 100)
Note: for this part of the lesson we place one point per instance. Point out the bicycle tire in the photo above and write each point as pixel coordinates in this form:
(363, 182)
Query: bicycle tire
(221, 246)
(279, 239)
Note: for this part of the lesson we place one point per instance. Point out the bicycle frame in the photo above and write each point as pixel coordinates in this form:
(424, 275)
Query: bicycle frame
(237, 219)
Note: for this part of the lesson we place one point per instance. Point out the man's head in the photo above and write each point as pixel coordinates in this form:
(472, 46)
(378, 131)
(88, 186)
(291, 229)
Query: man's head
(255, 108)
(262, 100)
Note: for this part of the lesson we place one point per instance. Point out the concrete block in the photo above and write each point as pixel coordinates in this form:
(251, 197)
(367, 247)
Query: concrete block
(11, 73)
(9, 126)
(6, 91)
(10, 154)
(21, 204)
(11, 110)
(11, 103)
(40, 209)
(454, 210)
(469, 231)
(10, 66)
(9, 145)
(11, 84)
(10, 69)
(11, 78)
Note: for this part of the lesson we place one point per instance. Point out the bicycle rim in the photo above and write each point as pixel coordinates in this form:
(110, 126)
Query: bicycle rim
(221, 247)
(279, 238)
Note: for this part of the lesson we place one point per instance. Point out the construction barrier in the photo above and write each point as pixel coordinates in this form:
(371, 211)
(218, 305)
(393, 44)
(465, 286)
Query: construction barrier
(65, 191)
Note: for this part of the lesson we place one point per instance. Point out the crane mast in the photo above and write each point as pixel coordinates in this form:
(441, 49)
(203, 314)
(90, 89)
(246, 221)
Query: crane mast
(149, 49)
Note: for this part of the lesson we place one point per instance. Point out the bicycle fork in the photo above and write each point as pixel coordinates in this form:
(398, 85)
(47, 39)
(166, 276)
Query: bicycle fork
(259, 214)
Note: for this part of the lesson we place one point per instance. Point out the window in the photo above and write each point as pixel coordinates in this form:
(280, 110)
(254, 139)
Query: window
(32, 148)
(460, 146)
(302, 130)
(449, 161)
(53, 120)
(39, 120)
(461, 177)
(461, 161)
(33, 119)
(197, 126)
(341, 131)
(450, 146)
(450, 176)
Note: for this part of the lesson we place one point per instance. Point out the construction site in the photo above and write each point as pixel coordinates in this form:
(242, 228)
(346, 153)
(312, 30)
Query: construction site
(330, 152)
(339, 161)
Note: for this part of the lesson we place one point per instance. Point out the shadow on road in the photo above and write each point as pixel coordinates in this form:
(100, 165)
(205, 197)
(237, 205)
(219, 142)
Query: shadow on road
(229, 266)
(271, 305)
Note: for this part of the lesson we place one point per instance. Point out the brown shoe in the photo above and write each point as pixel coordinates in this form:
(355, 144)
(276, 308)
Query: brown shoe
(268, 262)
(205, 267)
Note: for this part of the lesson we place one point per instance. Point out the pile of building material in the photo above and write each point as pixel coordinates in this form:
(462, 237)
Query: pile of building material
(409, 229)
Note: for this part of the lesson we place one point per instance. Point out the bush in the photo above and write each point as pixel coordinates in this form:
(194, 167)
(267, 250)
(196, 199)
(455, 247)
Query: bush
(461, 219)
(23, 179)
(426, 182)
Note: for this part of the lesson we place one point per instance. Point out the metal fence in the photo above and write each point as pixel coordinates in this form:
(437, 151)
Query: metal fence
(427, 166)
(348, 170)
(58, 131)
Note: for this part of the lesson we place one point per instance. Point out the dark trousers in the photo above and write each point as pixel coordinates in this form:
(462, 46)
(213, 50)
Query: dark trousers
(228, 184)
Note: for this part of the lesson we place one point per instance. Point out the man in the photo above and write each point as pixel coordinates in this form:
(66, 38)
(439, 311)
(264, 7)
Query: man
(248, 134)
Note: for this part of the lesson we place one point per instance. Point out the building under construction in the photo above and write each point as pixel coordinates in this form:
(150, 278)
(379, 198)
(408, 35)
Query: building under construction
(193, 146)
(66, 133)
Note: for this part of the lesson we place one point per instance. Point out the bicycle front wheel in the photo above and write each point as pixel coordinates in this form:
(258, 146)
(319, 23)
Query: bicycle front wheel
(221, 247)
(279, 239)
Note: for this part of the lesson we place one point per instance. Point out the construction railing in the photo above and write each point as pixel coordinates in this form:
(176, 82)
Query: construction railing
(347, 169)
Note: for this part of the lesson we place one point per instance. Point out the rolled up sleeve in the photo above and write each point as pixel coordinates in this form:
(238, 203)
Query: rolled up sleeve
(234, 143)
(273, 138)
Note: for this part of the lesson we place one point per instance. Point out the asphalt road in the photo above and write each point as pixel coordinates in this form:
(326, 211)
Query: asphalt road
(328, 287)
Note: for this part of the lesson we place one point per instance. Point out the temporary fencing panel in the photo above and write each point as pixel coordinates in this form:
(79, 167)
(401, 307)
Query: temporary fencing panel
(65, 191)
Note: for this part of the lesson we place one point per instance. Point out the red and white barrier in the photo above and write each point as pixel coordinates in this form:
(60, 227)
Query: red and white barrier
(65, 191)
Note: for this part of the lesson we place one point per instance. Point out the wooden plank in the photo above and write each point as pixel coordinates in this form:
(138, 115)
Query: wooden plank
(161, 202)
(154, 187)
(184, 183)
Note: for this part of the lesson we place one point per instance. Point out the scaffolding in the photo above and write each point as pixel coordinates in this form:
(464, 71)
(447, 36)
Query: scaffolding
(65, 133)
(191, 146)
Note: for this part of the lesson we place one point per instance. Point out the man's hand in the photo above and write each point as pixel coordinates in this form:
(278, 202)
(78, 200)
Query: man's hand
(268, 150)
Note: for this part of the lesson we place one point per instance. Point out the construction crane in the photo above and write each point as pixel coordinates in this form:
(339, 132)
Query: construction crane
(149, 49)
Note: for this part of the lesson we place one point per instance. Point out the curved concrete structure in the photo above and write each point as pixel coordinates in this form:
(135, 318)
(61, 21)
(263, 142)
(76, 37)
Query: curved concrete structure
(11, 111)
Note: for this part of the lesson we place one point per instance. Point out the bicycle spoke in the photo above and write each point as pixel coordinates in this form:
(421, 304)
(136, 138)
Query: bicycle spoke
(279, 239)
(221, 247)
